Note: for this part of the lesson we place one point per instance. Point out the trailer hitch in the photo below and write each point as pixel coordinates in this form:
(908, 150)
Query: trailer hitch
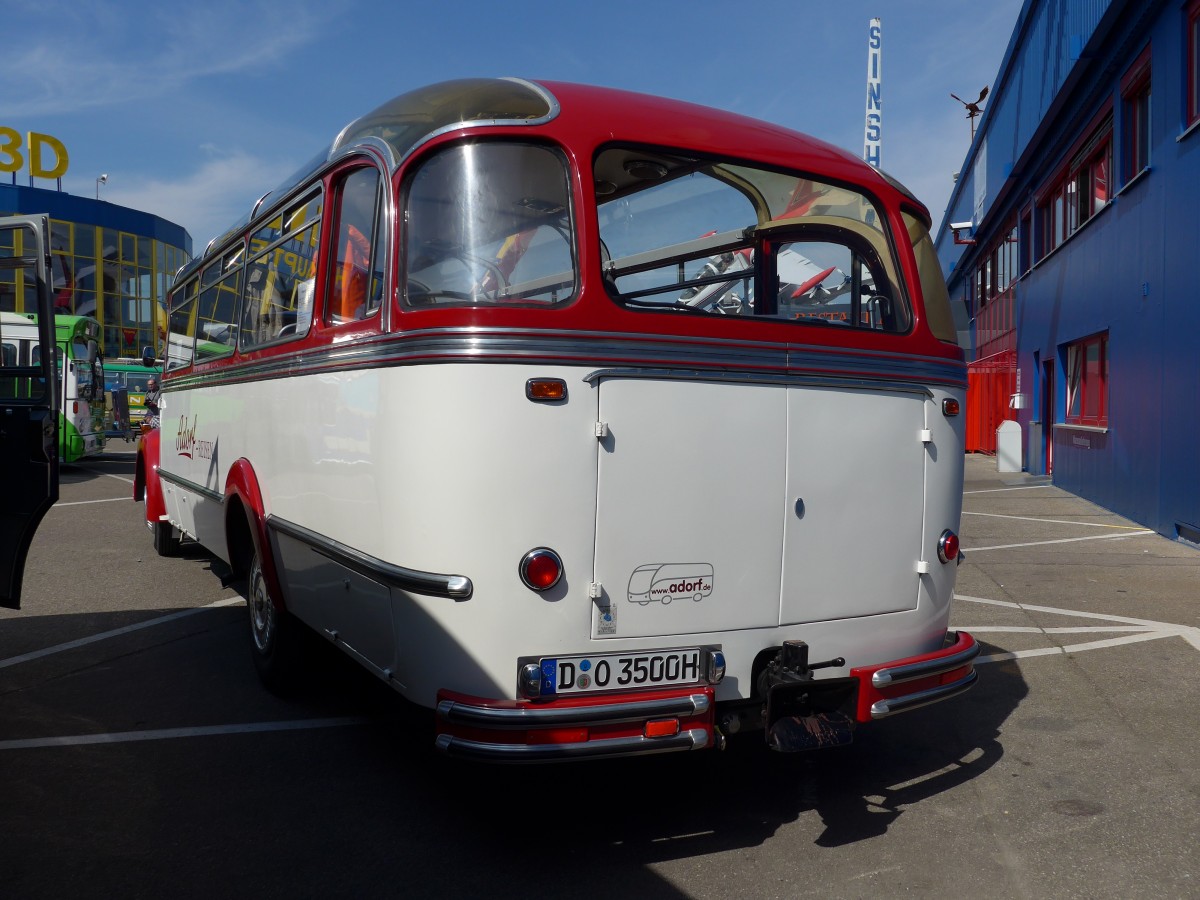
(803, 713)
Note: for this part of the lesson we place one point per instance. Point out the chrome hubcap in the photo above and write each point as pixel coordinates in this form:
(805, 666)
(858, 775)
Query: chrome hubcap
(262, 611)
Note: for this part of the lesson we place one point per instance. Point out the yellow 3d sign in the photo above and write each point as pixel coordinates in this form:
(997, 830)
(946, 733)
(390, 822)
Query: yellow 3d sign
(13, 153)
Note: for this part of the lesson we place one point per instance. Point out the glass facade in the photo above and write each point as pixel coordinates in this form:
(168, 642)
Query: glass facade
(114, 275)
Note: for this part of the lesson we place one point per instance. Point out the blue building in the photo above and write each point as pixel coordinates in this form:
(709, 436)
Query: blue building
(109, 262)
(1072, 239)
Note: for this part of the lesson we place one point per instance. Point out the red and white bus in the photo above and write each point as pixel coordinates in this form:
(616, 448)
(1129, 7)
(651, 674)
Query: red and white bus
(508, 349)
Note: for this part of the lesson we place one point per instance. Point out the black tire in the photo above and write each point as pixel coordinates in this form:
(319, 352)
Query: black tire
(166, 542)
(276, 637)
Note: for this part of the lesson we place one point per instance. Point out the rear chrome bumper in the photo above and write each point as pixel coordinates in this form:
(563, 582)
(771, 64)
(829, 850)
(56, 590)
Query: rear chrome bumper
(906, 684)
(678, 719)
(519, 731)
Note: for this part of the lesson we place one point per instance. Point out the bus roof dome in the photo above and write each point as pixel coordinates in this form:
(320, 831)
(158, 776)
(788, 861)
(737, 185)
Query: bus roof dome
(406, 121)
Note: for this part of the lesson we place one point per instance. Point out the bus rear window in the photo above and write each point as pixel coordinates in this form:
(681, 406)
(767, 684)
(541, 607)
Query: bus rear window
(709, 237)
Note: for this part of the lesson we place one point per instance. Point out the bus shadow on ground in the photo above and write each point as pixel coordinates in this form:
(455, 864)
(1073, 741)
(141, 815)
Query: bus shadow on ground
(466, 828)
(657, 808)
(666, 807)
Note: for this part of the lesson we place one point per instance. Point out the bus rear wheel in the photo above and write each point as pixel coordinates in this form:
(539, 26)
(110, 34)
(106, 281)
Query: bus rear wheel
(275, 635)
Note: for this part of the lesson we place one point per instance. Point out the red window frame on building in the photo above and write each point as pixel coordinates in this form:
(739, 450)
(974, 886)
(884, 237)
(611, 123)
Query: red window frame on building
(1087, 381)
(1135, 110)
(1193, 63)
(1080, 189)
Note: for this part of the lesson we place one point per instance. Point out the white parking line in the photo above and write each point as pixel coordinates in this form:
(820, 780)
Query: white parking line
(107, 474)
(1053, 521)
(1094, 537)
(1077, 629)
(82, 502)
(157, 734)
(1072, 648)
(1026, 487)
(161, 734)
(1143, 630)
(116, 632)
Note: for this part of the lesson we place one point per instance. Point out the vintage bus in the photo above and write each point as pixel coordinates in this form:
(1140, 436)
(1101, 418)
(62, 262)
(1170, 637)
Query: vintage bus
(80, 382)
(507, 349)
(28, 406)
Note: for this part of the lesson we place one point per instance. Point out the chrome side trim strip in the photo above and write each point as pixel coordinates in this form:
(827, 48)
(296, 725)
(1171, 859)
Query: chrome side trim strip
(899, 674)
(749, 378)
(881, 709)
(188, 485)
(526, 717)
(454, 587)
(694, 739)
(593, 350)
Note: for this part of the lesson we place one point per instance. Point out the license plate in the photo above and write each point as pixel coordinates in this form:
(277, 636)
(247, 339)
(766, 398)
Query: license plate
(620, 671)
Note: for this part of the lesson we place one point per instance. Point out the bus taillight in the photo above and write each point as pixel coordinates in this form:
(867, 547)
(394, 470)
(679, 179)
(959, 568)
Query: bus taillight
(948, 546)
(541, 569)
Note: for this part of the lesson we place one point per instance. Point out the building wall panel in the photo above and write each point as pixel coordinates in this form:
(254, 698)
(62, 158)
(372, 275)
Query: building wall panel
(1130, 271)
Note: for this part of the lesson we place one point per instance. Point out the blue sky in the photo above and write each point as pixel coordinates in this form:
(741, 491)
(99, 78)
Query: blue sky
(194, 110)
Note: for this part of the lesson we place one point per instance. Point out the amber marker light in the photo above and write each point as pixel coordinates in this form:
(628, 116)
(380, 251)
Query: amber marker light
(541, 569)
(546, 390)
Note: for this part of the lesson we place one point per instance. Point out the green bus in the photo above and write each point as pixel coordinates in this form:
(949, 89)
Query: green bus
(80, 382)
(133, 376)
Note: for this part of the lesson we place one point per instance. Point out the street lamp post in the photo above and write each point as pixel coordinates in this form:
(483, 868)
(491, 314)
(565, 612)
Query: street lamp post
(103, 179)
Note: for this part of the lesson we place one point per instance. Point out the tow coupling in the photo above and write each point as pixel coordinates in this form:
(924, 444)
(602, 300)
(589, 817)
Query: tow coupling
(803, 713)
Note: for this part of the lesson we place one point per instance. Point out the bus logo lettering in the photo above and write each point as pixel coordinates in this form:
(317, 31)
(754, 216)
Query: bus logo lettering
(187, 444)
(664, 582)
(185, 437)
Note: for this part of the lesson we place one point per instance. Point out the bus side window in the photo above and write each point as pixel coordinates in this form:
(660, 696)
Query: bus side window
(8, 359)
(181, 326)
(356, 276)
(828, 281)
(218, 306)
(279, 278)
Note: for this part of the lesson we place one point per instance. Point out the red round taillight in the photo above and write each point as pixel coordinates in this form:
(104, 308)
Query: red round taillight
(948, 546)
(541, 569)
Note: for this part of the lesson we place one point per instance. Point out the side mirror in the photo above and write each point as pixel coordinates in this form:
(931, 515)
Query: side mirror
(148, 357)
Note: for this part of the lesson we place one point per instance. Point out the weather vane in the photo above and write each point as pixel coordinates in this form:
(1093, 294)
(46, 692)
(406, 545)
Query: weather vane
(972, 108)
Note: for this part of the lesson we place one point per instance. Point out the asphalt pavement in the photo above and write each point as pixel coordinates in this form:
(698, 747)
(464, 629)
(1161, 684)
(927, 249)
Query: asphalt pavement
(140, 757)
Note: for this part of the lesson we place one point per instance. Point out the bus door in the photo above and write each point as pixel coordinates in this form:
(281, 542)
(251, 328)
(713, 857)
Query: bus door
(689, 517)
(856, 502)
(28, 412)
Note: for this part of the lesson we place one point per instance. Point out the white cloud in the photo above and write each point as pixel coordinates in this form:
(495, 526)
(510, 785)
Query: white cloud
(206, 202)
(117, 53)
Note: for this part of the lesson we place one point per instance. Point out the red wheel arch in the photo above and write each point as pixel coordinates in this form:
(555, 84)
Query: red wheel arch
(242, 484)
(146, 484)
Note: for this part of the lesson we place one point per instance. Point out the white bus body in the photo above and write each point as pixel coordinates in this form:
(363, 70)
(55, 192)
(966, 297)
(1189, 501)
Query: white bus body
(501, 509)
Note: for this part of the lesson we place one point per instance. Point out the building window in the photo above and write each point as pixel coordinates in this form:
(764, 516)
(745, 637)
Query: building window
(1080, 191)
(1025, 241)
(1193, 63)
(1087, 381)
(1135, 108)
